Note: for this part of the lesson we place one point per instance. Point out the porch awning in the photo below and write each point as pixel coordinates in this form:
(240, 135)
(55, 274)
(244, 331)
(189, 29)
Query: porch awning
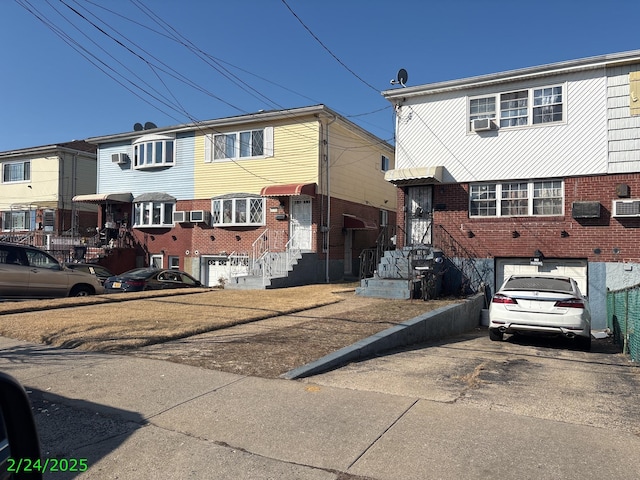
(356, 223)
(123, 197)
(414, 176)
(289, 190)
(154, 197)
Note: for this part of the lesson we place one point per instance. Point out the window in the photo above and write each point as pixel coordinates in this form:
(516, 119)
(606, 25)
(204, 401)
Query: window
(238, 211)
(242, 144)
(153, 214)
(516, 199)
(17, 220)
(547, 105)
(174, 262)
(237, 145)
(513, 109)
(521, 108)
(153, 151)
(483, 200)
(16, 172)
(482, 108)
(547, 198)
(384, 164)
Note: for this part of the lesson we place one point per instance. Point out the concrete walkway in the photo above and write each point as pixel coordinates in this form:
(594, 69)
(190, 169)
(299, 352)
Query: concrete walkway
(138, 418)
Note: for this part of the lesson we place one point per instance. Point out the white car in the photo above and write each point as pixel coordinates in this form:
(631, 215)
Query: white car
(540, 304)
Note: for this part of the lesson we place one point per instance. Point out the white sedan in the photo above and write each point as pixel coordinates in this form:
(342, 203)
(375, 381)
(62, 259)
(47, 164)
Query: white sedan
(540, 304)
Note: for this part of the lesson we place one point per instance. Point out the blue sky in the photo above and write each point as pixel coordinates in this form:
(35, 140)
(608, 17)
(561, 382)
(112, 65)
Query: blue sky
(173, 62)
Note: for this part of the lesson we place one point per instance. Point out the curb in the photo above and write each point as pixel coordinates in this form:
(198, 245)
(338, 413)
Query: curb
(434, 325)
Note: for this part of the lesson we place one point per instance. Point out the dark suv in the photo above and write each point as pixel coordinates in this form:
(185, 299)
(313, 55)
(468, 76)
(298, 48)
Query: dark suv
(28, 272)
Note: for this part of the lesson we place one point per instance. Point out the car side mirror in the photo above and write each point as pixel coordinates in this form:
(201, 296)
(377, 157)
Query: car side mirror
(18, 434)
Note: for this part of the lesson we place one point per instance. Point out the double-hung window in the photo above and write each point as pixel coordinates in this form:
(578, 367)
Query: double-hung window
(239, 145)
(547, 105)
(16, 172)
(237, 211)
(509, 199)
(534, 106)
(153, 214)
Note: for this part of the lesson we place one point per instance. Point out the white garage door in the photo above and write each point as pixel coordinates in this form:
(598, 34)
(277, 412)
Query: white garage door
(569, 267)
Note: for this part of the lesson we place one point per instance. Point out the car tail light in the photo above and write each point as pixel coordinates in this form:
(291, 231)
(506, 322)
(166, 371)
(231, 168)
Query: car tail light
(135, 283)
(499, 298)
(571, 303)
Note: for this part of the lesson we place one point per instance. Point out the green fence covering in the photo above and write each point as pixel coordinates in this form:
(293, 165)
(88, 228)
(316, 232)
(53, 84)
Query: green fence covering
(623, 319)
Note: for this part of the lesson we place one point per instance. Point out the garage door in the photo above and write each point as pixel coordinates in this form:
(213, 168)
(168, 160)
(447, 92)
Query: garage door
(569, 267)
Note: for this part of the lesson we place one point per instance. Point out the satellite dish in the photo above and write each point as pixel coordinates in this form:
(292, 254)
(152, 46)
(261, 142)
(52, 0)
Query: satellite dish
(137, 127)
(402, 78)
(149, 125)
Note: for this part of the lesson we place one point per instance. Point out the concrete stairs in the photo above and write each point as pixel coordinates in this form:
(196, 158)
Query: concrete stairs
(394, 277)
(277, 279)
(391, 279)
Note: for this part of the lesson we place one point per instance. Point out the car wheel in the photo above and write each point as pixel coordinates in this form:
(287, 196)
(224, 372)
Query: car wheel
(80, 291)
(495, 335)
(584, 343)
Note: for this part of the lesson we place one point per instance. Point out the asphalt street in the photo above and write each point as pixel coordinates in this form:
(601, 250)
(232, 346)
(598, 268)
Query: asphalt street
(465, 408)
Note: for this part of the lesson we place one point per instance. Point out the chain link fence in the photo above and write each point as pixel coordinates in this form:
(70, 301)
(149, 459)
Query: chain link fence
(623, 319)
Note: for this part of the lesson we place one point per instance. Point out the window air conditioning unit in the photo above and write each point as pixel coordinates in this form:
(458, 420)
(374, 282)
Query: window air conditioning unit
(482, 124)
(120, 158)
(626, 208)
(200, 216)
(180, 217)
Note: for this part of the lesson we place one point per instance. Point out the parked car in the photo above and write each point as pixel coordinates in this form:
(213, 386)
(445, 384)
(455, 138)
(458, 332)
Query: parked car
(541, 305)
(94, 269)
(150, 278)
(28, 272)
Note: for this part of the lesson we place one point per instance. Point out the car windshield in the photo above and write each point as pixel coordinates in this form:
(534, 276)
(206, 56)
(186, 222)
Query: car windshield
(140, 272)
(541, 284)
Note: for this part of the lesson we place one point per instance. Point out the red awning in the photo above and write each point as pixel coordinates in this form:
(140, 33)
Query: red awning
(357, 223)
(289, 190)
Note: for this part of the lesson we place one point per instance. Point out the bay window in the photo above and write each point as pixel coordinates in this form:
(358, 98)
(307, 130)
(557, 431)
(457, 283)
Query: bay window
(233, 211)
(153, 214)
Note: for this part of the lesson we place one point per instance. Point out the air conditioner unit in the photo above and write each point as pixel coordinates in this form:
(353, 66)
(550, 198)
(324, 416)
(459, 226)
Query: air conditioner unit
(200, 216)
(482, 124)
(180, 217)
(626, 208)
(120, 158)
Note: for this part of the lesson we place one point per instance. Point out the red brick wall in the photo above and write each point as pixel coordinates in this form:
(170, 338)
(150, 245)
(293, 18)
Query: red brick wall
(215, 240)
(494, 237)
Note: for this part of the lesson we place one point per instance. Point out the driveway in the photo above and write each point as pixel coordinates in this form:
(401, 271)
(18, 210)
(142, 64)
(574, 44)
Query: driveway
(541, 378)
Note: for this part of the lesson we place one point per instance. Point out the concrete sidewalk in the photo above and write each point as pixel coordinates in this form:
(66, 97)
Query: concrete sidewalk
(140, 418)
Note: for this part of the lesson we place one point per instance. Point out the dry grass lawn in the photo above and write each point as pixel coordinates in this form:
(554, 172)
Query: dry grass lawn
(109, 323)
(258, 332)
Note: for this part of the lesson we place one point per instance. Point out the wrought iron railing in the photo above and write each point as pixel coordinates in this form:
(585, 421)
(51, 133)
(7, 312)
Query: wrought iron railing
(462, 259)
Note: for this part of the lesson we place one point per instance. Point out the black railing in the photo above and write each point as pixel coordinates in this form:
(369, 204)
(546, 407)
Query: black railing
(464, 260)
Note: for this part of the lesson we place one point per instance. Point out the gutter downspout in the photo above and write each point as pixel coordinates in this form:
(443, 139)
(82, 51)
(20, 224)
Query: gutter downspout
(328, 226)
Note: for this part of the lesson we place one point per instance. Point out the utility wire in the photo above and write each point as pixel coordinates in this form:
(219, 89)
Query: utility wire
(327, 49)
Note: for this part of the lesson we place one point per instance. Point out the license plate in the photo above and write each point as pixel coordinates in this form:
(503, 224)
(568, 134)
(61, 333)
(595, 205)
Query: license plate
(116, 285)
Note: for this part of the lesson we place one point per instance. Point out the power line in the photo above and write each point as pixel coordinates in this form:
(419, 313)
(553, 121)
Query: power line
(329, 51)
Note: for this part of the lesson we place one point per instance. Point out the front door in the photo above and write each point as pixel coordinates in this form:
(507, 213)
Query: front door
(301, 222)
(419, 215)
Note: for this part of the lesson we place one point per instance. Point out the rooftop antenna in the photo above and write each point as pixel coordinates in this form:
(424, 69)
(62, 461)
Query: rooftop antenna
(149, 126)
(137, 127)
(401, 79)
